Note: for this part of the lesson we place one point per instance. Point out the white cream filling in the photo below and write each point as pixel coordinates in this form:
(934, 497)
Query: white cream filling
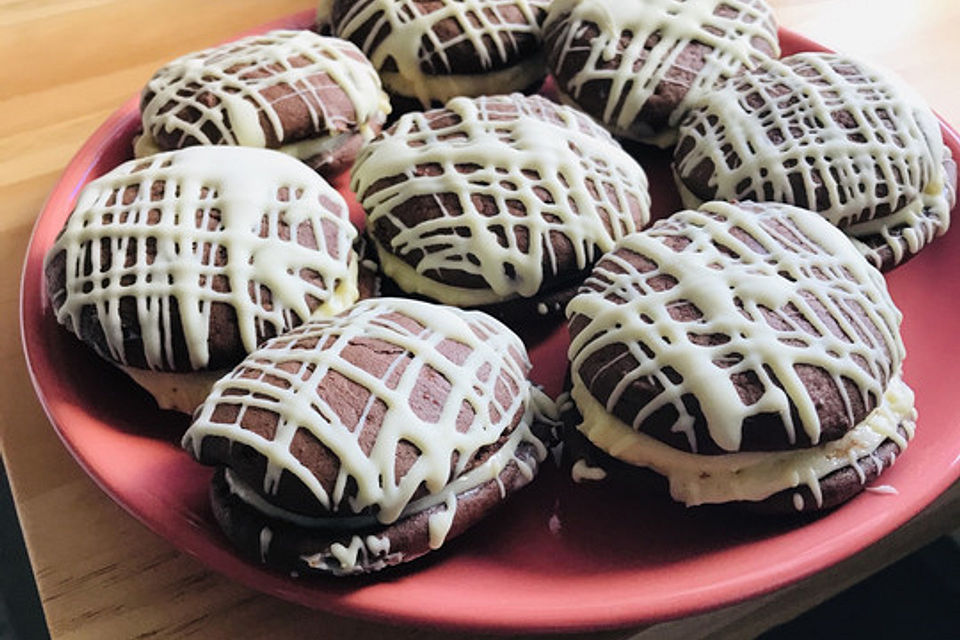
(245, 493)
(404, 29)
(582, 471)
(178, 391)
(184, 391)
(748, 476)
(491, 469)
(925, 217)
(440, 88)
(306, 149)
(368, 553)
(410, 281)
(145, 145)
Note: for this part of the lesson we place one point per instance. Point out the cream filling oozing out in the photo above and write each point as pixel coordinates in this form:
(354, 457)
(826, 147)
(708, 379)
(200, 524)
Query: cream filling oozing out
(747, 476)
(490, 470)
(917, 223)
(144, 145)
(439, 523)
(920, 222)
(181, 391)
(362, 553)
(518, 77)
(372, 550)
(408, 279)
(184, 391)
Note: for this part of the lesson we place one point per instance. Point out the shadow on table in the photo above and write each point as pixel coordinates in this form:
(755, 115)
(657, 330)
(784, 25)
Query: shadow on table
(21, 617)
(917, 598)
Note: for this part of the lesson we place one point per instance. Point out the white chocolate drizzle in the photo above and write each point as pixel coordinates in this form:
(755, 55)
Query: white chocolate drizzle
(397, 30)
(750, 476)
(845, 145)
(568, 174)
(852, 332)
(639, 46)
(229, 94)
(798, 502)
(210, 199)
(440, 522)
(496, 359)
(363, 553)
(266, 536)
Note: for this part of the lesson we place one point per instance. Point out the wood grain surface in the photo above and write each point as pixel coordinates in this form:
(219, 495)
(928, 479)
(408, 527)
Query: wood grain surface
(66, 64)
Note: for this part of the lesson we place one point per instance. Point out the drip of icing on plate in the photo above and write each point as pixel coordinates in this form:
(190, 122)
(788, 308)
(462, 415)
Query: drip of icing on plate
(191, 205)
(569, 175)
(228, 94)
(659, 31)
(850, 145)
(884, 489)
(583, 471)
(294, 365)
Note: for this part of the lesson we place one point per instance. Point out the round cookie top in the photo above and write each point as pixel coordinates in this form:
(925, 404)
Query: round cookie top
(188, 259)
(736, 327)
(269, 90)
(827, 133)
(636, 66)
(388, 409)
(434, 50)
(496, 197)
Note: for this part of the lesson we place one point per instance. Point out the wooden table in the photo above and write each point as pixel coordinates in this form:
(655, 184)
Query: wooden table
(66, 64)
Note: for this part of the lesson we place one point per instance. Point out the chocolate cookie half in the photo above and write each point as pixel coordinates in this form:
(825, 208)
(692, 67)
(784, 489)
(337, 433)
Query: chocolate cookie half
(637, 66)
(429, 51)
(497, 201)
(746, 352)
(176, 266)
(312, 97)
(827, 133)
(368, 439)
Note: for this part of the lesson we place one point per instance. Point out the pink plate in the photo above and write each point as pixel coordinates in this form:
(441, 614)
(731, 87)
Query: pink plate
(558, 557)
